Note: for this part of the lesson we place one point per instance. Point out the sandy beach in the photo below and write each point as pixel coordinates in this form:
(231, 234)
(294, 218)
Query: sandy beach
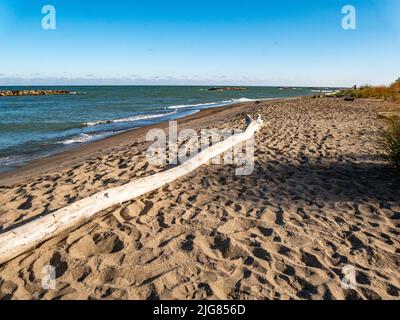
(321, 197)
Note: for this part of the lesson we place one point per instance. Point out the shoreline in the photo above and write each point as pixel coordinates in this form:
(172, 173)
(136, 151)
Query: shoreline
(63, 134)
(76, 154)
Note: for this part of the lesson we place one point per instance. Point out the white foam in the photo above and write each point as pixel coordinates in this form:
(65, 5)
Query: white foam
(322, 91)
(216, 103)
(83, 137)
(8, 160)
(130, 119)
(183, 106)
(242, 100)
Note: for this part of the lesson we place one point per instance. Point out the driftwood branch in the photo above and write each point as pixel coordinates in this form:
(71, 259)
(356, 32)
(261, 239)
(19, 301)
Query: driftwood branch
(28, 236)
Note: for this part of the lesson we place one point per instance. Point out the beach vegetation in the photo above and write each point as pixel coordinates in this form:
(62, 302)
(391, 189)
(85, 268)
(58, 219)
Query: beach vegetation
(391, 143)
(389, 93)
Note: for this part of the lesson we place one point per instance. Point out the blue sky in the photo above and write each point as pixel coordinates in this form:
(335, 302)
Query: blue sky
(268, 42)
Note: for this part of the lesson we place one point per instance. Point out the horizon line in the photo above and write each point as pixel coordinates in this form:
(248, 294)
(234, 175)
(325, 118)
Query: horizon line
(169, 85)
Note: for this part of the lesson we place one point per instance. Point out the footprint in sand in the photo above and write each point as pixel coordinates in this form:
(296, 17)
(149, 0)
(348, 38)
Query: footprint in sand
(187, 244)
(7, 289)
(27, 204)
(100, 243)
(80, 273)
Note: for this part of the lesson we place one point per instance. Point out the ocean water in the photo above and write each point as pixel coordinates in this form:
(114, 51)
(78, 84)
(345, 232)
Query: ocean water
(37, 126)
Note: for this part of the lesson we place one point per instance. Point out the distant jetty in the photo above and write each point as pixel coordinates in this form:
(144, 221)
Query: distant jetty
(37, 92)
(226, 89)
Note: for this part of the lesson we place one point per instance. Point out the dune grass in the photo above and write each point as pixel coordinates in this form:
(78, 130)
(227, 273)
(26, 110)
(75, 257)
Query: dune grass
(390, 93)
(391, 143)
(391, 136)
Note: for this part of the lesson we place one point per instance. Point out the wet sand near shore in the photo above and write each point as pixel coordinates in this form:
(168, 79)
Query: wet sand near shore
(320, 197)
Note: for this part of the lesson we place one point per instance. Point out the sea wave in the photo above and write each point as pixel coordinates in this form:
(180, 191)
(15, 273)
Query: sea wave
(214, 103)
(85, 137)
(183, 106)
(322, 91)
(8, 160)
(129, 119)
(12, 160)
(241, 100)
(82, 137)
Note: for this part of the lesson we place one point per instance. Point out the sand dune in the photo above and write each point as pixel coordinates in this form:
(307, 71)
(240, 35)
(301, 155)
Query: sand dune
(320, 198)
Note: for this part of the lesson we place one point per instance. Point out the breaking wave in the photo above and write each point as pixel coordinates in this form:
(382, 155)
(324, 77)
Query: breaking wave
(129, 119)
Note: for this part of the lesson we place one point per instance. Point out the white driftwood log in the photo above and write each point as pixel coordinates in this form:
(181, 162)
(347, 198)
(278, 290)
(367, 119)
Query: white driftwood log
(28, 236)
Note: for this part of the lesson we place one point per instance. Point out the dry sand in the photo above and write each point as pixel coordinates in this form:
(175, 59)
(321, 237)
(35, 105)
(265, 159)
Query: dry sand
(320, 198)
